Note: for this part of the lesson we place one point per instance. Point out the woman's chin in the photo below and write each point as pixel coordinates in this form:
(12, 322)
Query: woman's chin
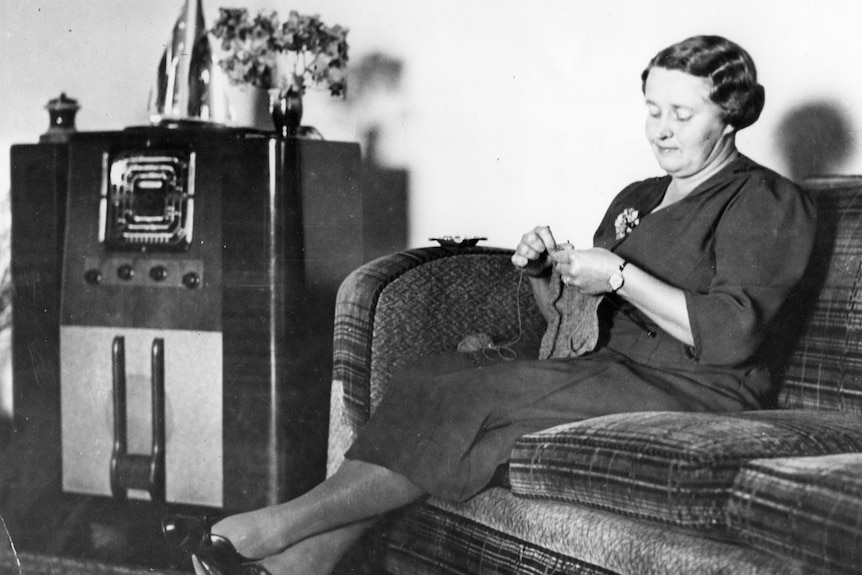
(669, 165)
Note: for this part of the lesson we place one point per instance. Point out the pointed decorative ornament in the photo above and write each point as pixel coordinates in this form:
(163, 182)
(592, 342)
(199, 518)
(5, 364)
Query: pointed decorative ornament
(190, 86)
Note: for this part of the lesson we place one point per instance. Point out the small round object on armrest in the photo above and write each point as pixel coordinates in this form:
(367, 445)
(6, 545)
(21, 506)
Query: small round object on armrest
(457, 241)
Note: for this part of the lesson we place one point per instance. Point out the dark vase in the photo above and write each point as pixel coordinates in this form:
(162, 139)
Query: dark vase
(286, 110)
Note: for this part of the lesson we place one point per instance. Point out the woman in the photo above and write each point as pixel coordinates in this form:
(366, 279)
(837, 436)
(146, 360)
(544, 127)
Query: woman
(693, 266)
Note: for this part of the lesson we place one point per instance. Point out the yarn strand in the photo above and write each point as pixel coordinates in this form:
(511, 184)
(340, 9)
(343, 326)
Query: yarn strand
(506, 351)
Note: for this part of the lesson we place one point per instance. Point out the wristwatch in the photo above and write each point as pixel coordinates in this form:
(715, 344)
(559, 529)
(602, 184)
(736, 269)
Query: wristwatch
(616, 279)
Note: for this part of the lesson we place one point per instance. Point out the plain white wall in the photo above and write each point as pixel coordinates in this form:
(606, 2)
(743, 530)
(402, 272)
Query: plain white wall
(513, 113)
(510, 113)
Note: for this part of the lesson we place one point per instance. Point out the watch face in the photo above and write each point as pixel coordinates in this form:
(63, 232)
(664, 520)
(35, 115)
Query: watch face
(615, 281)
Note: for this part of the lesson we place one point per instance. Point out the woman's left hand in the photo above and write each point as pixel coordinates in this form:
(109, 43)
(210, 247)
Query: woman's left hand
(586, 270)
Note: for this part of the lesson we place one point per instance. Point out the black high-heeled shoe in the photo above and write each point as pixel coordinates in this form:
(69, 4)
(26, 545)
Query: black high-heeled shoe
(216, 554)
(186, 532)
(214, 561)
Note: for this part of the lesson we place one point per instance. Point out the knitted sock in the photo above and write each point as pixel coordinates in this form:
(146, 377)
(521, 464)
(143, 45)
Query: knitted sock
(574, 329)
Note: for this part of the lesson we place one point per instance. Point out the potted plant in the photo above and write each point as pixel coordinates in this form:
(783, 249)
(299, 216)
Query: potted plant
(284, 58)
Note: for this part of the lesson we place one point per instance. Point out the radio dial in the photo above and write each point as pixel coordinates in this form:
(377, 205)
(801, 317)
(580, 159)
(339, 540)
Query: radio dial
(158, 273)
(93, 277)
(191, 280)
(125, 272)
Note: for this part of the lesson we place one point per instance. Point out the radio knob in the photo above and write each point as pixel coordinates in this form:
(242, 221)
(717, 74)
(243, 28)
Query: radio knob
(191, 280)
(93, 277)
(125, 272)
(158, 273)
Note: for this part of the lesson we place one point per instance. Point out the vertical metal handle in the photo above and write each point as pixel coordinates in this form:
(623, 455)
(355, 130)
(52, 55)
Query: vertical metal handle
(118, 374)
(157, 455)
(132, 471)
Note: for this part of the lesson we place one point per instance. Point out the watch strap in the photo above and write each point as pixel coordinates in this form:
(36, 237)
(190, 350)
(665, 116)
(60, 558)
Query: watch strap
(619, 273)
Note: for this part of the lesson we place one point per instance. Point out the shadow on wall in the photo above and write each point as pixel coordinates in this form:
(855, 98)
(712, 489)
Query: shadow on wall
(376, 96)
(815, 138)
(5, 309)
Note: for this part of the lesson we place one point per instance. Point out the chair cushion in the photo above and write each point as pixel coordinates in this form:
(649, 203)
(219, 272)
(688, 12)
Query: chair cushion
(804, 507)
(672, 467)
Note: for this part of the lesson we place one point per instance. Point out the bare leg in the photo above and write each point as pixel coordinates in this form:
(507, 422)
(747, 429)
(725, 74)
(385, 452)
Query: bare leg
(358, 491)
(316, 555)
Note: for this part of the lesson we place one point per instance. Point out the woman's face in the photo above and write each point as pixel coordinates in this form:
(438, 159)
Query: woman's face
(684, 127)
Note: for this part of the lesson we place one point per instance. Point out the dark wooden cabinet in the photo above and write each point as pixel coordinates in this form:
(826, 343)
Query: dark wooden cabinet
(205, 258)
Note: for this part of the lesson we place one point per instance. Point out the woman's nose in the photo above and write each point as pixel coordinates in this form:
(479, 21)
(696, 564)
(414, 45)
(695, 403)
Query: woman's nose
(664, 129)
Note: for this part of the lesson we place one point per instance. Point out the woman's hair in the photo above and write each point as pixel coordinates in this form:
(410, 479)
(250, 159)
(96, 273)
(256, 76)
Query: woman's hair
(727, 65)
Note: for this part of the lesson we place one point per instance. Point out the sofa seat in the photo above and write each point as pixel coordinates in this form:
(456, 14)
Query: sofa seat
(805, 507)
(671, 467)
(500, 532)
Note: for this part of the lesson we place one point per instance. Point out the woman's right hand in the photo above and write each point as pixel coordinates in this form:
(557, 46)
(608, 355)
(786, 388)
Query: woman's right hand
(531, 255)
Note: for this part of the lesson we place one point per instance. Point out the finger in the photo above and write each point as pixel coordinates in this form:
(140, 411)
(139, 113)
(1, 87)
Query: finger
(544, 233)
(528, 251)
(531, 244)
(562, 256)
(525, 256)
(519, 260)
(563, 271)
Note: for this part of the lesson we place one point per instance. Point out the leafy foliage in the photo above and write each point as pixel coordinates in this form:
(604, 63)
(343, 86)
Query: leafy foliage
(265, 52)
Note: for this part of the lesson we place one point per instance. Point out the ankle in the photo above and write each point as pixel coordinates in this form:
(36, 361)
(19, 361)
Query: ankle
(309, 557)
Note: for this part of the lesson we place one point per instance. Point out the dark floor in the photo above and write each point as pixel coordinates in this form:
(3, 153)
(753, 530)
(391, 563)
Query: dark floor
(43, 521)
(40, 520)
(51, 532)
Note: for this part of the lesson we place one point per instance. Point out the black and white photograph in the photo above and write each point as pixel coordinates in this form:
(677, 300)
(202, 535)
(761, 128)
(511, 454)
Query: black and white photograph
(430, 288)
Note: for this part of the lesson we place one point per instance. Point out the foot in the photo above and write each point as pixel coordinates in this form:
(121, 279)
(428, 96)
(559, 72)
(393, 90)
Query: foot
(194, 536)
(255, 534)
(317, 555)
(203, 567)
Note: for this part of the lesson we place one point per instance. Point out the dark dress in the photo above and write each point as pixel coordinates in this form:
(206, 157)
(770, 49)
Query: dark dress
(736, 245)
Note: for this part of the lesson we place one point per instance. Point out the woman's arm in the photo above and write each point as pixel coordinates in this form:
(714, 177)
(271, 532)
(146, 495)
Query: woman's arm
(590, 270)
(663, 303)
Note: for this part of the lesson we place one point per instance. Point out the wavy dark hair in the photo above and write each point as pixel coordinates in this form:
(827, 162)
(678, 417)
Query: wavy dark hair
(727, 65)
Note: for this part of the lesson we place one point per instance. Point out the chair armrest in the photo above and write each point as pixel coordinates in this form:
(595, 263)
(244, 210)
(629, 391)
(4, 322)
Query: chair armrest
(421, 302)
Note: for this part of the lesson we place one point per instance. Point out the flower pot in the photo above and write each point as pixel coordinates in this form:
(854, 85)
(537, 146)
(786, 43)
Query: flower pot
(286, 110)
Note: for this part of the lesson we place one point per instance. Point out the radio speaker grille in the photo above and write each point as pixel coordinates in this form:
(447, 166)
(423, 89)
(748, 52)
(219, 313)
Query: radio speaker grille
(148, 201)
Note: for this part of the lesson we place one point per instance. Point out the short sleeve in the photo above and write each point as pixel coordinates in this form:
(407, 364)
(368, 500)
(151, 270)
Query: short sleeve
(762, 244)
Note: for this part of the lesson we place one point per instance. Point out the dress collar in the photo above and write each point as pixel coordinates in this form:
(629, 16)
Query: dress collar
(645, 203)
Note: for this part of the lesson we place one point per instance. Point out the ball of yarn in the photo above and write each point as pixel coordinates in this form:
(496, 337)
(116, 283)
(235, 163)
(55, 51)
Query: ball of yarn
(475, 342)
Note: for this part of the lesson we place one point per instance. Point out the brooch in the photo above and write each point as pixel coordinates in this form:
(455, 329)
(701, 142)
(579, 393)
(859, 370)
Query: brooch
(626, 222)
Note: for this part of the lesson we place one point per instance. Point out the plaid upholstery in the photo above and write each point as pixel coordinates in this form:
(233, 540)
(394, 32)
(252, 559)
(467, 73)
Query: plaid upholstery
(809, 507)
(824, 368)
(355, 306)
(434, 541)
(421, 302)
(498, 532)
(677, 468)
